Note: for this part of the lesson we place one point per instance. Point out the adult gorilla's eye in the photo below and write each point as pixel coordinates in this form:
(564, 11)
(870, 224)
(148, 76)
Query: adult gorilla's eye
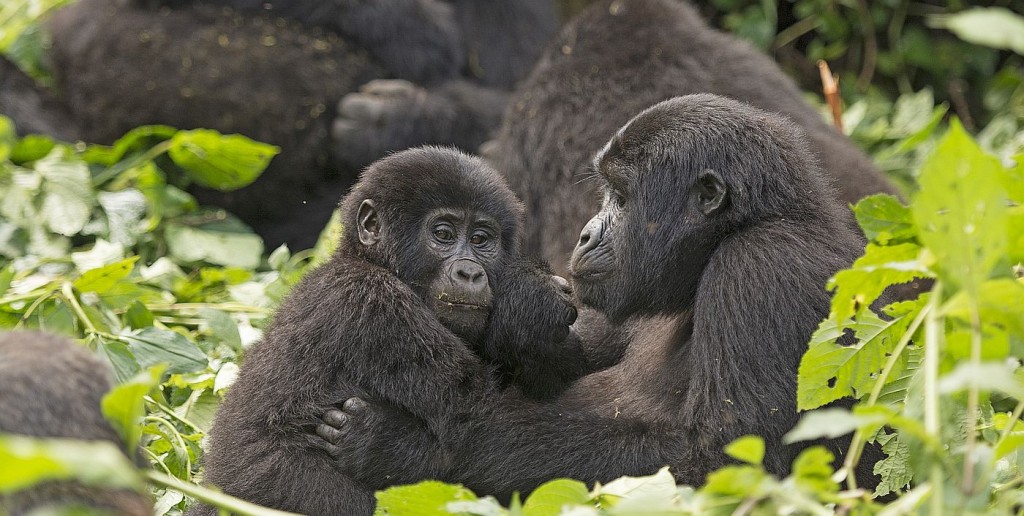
(443, 234)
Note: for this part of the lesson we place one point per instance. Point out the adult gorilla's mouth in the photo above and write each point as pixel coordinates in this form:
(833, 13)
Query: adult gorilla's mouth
(464, 306)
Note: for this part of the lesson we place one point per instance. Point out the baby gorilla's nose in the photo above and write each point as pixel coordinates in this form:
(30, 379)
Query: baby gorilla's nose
(469, 275)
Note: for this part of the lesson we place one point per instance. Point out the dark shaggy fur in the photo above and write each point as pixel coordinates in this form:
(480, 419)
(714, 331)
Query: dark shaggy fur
(614, 60)
(713, 244)
(275, 71)
(366, 324)
(51, 388)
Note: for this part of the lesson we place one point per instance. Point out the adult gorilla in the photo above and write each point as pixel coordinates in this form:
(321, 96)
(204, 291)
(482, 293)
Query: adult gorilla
(612, 61)
(718, 232)
(305, 75)
(426, 280)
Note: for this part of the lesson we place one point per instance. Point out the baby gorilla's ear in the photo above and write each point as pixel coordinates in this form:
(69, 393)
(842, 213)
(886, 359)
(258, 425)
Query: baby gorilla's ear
(712, 192)
(368, 223)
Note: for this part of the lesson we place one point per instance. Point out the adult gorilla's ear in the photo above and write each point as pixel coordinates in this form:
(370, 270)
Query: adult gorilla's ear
(712, 192)
(368, 223)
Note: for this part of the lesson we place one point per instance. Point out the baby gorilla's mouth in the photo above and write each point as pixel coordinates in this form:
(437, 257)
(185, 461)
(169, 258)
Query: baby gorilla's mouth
(464, 306)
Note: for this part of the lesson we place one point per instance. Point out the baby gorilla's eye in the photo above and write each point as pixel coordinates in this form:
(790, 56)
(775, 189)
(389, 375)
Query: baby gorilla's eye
(478, 239)
(444, 235)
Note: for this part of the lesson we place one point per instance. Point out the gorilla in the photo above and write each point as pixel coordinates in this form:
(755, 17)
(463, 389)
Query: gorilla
(32, 109)
(716, 235)
(52, 388)
(589, 82)
(277, 71)
(426, 282)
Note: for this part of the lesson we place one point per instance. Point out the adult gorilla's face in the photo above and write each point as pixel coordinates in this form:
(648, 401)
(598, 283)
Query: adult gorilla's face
(661, 218)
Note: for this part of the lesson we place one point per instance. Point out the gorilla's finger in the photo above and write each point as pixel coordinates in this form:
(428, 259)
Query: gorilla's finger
(388, 87)
(342, 129)
(361, 107)
(572, 314)
(354, 405)
(562, 284)
(329, 433)
(335, 418)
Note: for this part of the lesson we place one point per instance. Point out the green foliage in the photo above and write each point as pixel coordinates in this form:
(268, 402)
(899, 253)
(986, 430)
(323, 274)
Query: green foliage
(30, 461)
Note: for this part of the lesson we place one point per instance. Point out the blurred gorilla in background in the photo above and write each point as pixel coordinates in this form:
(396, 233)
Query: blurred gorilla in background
(52, 388)
(335, 84)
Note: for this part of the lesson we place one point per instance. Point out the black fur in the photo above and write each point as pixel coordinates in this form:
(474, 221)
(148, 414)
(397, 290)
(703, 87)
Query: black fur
(714, 242)
(615, 59)
(276, 71)
(51, 388)
(365, 324)
(31, 108)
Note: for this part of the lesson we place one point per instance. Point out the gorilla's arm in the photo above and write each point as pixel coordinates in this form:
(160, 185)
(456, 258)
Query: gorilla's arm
(389, 115)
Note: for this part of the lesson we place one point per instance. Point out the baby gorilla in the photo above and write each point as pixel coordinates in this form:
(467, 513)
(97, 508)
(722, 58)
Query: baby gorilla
(715, 240)
(427, 279)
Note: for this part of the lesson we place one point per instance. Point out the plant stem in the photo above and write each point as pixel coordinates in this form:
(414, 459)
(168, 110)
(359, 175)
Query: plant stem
(69, 294)
(211, 497)
(933, 326)
(167, 410)
(1017, 411)
(967, 487)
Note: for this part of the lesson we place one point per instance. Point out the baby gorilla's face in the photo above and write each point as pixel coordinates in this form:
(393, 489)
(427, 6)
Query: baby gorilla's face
(467, 247)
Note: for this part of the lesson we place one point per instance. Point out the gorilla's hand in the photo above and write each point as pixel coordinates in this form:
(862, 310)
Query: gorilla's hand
(392, 114)
(378, 445)
(529, 329)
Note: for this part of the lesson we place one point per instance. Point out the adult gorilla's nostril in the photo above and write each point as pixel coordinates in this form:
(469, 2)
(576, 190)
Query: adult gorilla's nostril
(590, 236)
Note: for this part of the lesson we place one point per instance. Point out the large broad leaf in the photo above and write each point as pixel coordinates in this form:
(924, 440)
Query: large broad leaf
(830, 423)
(990, 26)
(154, 346)
(423, 499)
(812, 470)
(227, 242)
(221, 162)
(830, 371)
(881, 266)
(28, 461)
(961, 210)
(123, 405)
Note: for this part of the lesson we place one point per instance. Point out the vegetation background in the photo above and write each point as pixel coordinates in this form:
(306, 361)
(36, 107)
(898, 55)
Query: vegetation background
(102, 244)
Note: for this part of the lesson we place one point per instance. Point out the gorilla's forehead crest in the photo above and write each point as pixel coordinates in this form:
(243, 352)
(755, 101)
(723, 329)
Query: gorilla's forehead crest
(410, 183)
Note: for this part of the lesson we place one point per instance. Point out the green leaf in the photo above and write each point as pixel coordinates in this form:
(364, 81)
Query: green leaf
(987, 376)
(1001, 302)
(142, 137)
(228, 243)
(67, 192)
(31, 148)
(551, 497)
(28, 461)
(857, 287)
(830, 423)
(749, 449)
(829, 371)
(885, 220)
(123, 405)
(894, 469)
(221, 162)
(423, 499)
(995, 27)
(961, 210)
(222, 326)
(738, 481)
(638, 494)
(120, 358)
(104, 278)
(812, 470)
(154, 346)
(138, 316)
